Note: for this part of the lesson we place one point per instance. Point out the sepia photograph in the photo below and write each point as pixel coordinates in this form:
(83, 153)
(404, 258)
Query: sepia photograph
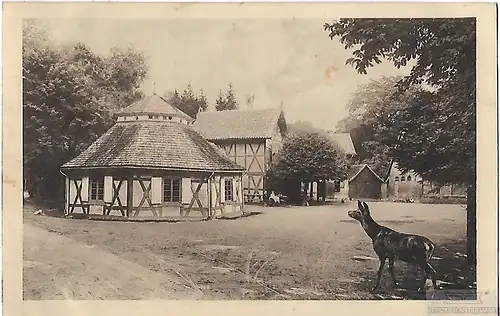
(286, 158)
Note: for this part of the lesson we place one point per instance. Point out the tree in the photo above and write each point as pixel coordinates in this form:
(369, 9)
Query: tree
(227, 101)
(370, 101)
(202, 101)
(435, 135)
(219, 102)
(188, 102)
(304, 158)
(304, 126)
(69, 94)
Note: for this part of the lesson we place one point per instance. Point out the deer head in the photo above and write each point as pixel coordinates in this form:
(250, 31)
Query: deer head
(361, 212)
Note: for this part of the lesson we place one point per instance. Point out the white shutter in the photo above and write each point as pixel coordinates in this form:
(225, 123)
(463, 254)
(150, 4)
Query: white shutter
(222, 189)
(85, 189)
(124, 192)
(156, 190)
(234, 188)
(213, 190)
(186, 193)
(240, 189)
(108, 189)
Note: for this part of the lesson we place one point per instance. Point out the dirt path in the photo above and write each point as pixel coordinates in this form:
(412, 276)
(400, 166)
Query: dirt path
(57, 267)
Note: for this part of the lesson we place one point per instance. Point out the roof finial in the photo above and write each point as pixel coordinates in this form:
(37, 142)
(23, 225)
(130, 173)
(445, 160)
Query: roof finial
(154, 88)
(281, 105)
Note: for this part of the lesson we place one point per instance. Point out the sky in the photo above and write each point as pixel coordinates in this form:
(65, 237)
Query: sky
(277, 60)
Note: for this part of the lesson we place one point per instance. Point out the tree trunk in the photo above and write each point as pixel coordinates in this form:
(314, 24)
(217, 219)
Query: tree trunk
(304, 195)
(471, 224)
(311, 193)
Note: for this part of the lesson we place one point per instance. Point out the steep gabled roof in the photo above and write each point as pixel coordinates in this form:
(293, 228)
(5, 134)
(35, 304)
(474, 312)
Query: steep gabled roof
(240, 124)
(154, 105)
(344, 141)
(153, 145)
(355, 170)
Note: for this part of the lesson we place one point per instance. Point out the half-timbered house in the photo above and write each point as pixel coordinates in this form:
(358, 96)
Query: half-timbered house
(153, 163)
(250, 138)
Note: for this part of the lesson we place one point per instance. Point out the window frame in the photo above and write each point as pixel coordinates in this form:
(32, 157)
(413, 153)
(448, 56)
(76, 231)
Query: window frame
(228, 190)
(172, 198)
(99, 189)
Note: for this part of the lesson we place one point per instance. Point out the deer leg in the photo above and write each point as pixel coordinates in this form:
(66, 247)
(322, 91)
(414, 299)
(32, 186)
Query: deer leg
(379, 273)
(423, 266)
(430, 270)
(391, 270)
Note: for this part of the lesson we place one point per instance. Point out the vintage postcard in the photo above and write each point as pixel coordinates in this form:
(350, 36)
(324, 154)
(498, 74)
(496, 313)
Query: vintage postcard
(247, 157)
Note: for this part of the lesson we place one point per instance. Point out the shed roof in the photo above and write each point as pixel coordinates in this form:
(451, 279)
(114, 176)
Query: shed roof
(153, 145)
(239, 124)
(344, 141)
(153, 105)
(355, 170)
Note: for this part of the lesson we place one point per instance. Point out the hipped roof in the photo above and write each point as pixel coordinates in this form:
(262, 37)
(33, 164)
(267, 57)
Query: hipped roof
(153, 105)
(153, 144)
(240, 124)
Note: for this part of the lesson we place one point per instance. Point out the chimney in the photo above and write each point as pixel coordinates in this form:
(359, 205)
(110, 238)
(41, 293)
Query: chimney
(250, 99)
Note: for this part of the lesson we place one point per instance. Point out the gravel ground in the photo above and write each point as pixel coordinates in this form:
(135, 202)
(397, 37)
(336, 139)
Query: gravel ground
(313, 252)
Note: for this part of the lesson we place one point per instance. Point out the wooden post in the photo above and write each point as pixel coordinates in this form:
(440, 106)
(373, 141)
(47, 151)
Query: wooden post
(317, 190)
(209, 192)
(130, 194)
(66, 202)
(311, 193)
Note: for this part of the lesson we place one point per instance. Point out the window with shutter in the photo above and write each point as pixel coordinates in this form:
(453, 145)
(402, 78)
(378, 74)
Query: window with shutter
(171, 190)
(97, 188)
(228, 189)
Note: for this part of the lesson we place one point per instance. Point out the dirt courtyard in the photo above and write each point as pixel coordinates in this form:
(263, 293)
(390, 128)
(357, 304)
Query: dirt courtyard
(314, 252)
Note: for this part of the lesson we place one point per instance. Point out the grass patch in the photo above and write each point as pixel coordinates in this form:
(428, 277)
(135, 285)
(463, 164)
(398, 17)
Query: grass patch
(443, 200)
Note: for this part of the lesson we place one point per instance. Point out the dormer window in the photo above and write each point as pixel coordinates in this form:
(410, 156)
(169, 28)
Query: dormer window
(408, 178)
(150, 117)
(170, 118)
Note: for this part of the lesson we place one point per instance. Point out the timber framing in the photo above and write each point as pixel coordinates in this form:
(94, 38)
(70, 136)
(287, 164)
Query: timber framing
(132, 192)
(253, 155)
(150, 163)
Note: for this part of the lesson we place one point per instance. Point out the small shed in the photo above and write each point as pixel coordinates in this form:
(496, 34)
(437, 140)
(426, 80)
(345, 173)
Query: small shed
(364, 183)
(153, 163)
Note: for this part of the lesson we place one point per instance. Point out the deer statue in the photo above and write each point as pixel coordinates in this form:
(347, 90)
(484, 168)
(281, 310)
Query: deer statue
(393, 245)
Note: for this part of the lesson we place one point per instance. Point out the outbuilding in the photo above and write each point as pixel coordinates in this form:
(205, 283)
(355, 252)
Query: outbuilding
(152, 163)
(364, 183)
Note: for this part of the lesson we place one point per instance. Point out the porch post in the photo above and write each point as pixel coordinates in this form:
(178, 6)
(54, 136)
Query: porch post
(209, 189)
(130, 189)
(240, 184)
(67, 196)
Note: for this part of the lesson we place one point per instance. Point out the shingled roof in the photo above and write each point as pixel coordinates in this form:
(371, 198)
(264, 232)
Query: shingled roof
(355, 170)
(154, 105)
(240, 124)
(344, 141)
(155, 145)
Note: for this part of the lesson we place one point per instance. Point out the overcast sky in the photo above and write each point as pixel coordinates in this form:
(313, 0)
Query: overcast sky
(291, 60)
